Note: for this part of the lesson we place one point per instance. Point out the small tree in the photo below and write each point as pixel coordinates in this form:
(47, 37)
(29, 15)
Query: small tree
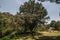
(58, 25)
(53, 24)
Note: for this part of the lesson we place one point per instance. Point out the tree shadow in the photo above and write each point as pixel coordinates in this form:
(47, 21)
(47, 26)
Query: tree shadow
(49, 38)
(27, 33)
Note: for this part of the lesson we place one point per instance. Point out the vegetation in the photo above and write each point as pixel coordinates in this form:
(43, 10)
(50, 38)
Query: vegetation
(30, 19)
(55, 24)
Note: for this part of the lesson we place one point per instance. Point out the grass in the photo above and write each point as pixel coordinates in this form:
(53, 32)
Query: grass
(41, 36)
(51, 33)
(45, 36)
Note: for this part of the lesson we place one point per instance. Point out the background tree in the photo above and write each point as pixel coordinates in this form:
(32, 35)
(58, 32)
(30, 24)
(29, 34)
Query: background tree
(53, 24)
(58, 25)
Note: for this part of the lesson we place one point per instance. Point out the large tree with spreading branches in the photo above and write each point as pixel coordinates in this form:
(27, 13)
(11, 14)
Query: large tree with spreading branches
(33, 14)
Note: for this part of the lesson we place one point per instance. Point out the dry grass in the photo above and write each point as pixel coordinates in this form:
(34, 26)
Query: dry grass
(50, 33)
(43, 34)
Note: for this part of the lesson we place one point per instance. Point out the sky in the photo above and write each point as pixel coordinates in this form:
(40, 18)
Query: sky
(12, 6)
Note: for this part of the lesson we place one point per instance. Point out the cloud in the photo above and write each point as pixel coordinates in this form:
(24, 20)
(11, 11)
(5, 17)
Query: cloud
(17, 2)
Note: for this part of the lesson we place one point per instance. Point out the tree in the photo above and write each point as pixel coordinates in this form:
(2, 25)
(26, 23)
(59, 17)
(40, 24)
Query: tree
(53, 24)
(33, 14)
(5, 23)
(58, 25)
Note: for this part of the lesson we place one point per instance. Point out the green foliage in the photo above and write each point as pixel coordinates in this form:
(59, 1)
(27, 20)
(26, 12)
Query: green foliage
(29, 16)
(55, 24)
(58, 25)
(8, 24)
(33, 14)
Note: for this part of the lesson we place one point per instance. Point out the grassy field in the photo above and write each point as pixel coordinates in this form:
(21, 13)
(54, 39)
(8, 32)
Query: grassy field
(43, 36)
(40, 36)
(51, 33)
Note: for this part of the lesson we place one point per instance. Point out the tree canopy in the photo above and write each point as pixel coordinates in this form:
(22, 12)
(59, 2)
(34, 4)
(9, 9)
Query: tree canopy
(33, 14)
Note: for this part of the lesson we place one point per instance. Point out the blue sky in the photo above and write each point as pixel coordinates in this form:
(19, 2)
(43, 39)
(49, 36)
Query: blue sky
(12, 6)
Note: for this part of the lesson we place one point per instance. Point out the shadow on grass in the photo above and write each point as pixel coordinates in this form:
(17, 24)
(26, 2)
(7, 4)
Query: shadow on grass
(24, 34)
(49, 38)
